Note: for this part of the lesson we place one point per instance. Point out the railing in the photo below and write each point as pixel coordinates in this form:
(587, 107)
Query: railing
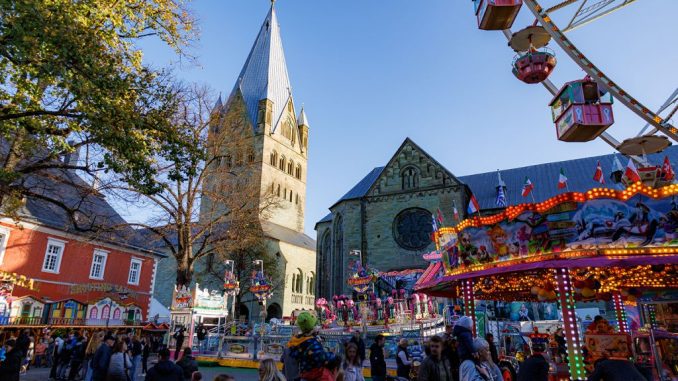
(22, 320)
(297, 298)
(310, 300)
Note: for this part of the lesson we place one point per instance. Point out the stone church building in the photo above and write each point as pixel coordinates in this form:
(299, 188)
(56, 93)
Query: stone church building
(388, 217)
(273, 137)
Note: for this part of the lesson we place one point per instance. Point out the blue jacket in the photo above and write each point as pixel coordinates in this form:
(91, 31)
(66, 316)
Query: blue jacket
(464, 342)
(102, 357)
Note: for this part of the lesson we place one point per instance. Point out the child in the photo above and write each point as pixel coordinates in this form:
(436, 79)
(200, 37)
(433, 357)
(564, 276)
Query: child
(462, 331)
(307, 349)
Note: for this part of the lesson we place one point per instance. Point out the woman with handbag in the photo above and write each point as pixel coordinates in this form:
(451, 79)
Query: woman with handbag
(120, 363)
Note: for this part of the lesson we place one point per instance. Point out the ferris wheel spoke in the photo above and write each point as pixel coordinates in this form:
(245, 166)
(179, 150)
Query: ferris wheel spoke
(669, 101)
(578, 57)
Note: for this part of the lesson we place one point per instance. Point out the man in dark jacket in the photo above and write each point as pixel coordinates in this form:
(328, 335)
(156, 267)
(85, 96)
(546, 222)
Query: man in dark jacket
(360, 343)
(615, 370)
(187, 363)
(377, 361)
(435, 367)
(101, 359)
(77, 357)
(23, 342)
(10, 368)
(535, 368)
(165, 369)
(178, 342)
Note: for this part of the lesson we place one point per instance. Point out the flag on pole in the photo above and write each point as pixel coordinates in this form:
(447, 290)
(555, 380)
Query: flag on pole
(598, 176)
(631, 172)
(440, 217)
(527, 187)
(617, 171)
(501, 195)
(562, 179)
(456, 212)
(433, 223)
(473, 206)
(667, 173)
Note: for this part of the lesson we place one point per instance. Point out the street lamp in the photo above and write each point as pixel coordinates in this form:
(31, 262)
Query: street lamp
(262, 301)
(357, 253)
(261, 264)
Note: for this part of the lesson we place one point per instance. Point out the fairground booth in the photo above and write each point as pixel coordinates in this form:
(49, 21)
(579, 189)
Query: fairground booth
(619, 246)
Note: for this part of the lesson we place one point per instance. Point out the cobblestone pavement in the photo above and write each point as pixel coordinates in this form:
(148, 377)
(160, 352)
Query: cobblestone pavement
(42, 374)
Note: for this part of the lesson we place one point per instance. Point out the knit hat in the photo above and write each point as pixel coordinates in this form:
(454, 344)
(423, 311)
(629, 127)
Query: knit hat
(465, 322)
(306, 321)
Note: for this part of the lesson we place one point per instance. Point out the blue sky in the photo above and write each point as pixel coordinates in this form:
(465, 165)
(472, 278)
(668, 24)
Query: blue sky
(372, 73)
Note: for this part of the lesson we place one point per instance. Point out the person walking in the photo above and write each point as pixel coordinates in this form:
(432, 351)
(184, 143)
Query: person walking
(463, 331)
(187, 363)
(615, 370)
(535, 367)
(145, 353)
(92, 346)
(483, 369)
(11, 365)
(135, 354)
(40, 350)
(435, 367)
(54, 356)
(77, 358)
(360, 343)
(352, 366)
(165, 369)
(377, 361)
(120, 363)
(403, 360)
(102, 359)
(268, 371)
(178, 342)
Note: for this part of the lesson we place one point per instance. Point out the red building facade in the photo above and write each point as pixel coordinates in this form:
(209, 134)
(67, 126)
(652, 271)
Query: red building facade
(76, 279)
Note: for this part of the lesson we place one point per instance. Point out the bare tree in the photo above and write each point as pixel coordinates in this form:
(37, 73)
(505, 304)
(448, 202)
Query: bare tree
(210, 202)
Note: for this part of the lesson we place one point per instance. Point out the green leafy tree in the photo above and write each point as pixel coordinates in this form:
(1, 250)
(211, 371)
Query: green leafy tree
(73, 79)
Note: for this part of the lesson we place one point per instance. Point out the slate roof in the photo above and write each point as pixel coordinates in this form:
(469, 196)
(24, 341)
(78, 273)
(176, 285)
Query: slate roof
(290, 236)
(544, 177)
(264, 75)
(95, 217)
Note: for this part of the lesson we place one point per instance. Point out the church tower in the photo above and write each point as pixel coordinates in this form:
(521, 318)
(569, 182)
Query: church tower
(260, 113)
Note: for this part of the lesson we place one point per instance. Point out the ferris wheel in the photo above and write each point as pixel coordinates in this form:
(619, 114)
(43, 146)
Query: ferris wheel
(581, 109)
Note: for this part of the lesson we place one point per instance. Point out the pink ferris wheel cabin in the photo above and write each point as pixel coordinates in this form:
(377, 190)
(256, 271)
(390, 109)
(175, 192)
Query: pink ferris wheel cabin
(581, 111)
(496, 14)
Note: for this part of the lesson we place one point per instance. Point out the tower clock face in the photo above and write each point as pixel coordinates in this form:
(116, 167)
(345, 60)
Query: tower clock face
(412, 228)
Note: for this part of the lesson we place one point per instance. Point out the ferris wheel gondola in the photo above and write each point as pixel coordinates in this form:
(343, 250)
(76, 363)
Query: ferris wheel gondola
(583, 119)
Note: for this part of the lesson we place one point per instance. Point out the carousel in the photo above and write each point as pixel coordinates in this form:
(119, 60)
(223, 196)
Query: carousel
(619, 246)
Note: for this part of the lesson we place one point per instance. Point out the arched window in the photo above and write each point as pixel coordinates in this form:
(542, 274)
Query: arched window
(274, 158)
(281, 163)
(278, 192)
(294, 282)
(106, 312)
(338, 256)
(290, 195)
(116, 313)
(238, 158)
(325, 265)
(229, 161)
(250, 156)
(94, 313)
(290, 167)
(297, 173)
(300, 281)
(410, 177)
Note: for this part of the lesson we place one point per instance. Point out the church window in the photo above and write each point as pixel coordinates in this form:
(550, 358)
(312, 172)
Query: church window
(290, 196)
(410, 178)
(290, 167)
(297, 199)
(297, 173)
(250, 156)
(298, 287)
(278, 190)
(281, 163)
(325, 265)
(274, 158)
(338, 256)
(238, 158)
(228, 161)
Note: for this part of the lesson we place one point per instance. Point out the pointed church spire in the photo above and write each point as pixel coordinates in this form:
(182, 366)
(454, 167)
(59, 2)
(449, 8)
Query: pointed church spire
(218, 104)
(264, 75)
(302, 120)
